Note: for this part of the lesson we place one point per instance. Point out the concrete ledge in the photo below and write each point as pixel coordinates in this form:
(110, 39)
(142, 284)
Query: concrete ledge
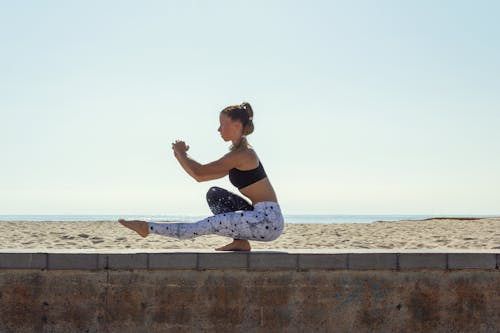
(423, 261)
(173, 260)
(272, 261)
(255, 260)
(23, 260)
(472, 260)
(74, 261)
(221, 300)
(322, 261)
(259, 291)
(127, 261)
(373, 261)
(222, 261)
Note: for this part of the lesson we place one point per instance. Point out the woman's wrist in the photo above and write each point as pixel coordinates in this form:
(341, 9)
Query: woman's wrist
(180, 154)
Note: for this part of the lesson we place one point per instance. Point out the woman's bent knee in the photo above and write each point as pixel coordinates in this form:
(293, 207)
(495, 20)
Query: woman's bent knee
(213, 191)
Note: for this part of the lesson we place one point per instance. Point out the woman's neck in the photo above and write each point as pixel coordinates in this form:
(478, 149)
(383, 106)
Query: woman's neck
(239, 146)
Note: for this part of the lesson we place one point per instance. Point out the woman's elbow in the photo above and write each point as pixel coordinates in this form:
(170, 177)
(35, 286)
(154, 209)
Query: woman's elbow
(205, 178)
(200, 178)
(197, 175)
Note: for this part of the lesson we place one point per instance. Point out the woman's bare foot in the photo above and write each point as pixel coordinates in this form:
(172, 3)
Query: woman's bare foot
(141, 227)
(236, 245)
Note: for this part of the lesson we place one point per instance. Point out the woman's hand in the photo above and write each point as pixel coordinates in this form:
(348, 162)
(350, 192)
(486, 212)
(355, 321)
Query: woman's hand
(180, 147)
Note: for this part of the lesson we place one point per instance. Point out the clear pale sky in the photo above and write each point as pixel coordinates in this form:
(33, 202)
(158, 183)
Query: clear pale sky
(361, 107)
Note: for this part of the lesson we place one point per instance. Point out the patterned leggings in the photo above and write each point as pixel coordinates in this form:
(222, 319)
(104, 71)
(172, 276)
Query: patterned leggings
(234, 217)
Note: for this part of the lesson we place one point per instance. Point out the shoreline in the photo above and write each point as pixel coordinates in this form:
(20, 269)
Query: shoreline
(290, 219)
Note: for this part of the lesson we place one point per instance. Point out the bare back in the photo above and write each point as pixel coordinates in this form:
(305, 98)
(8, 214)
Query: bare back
(260, 191)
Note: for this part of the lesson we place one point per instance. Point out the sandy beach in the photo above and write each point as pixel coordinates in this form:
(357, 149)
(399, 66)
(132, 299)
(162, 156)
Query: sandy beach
(437, 233)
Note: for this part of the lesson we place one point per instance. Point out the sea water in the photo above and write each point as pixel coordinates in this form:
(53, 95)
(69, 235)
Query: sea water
(308, 219)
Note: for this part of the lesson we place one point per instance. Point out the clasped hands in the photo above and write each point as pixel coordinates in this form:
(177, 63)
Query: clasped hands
(180, 147)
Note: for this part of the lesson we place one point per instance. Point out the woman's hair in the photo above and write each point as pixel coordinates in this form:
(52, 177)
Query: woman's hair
(242, 112)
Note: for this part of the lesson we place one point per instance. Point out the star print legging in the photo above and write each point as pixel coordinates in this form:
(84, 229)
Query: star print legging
(234, 217)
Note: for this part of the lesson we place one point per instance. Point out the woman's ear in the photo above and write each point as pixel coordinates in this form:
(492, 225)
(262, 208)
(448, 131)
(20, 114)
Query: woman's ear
(237, 125)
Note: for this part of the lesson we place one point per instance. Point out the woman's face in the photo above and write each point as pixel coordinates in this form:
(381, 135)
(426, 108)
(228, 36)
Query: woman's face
(229, 129)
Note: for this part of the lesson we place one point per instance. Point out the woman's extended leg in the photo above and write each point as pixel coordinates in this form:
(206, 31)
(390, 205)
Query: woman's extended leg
(265, 223)
(219, 200)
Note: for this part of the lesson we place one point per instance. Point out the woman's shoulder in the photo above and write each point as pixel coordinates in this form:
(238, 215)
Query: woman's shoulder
(249, 154)
(243, 153)
(243, 157)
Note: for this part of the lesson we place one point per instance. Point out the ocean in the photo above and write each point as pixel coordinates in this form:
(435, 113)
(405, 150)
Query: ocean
(308, 219)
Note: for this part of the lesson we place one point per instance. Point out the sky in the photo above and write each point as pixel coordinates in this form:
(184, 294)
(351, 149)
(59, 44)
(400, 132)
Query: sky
(360, 107)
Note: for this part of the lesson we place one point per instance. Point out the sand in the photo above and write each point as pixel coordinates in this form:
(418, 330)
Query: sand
(437, 233)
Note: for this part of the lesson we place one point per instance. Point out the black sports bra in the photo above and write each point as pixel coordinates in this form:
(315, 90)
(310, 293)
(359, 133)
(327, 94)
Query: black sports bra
(243, 178)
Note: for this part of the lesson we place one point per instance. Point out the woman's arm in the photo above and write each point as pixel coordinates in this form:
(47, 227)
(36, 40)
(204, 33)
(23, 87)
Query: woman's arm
(200, 172)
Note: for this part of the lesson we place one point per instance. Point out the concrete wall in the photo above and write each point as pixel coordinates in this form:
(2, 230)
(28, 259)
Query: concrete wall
(249, 292)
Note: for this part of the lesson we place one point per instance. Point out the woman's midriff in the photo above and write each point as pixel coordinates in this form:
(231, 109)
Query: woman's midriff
(260, 191)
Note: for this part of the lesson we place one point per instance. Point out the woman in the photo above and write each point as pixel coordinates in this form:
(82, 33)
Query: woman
(234, 217)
